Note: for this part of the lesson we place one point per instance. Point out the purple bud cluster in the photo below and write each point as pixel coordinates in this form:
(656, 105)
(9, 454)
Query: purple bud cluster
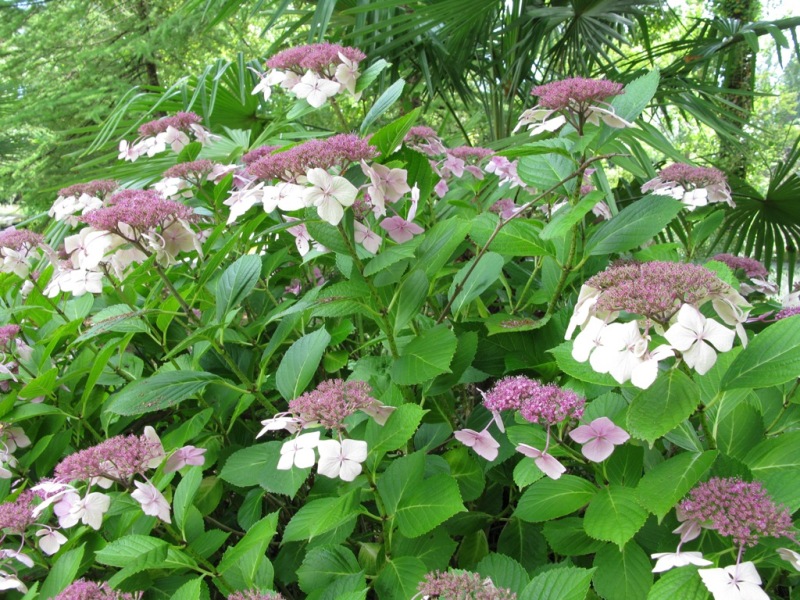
(738, 509)
(250, 157)
(96, 188)
(690, 176)
(576, 92)
(332, 402)
(182, 121)
(313, 57)
(750, 266)
(89, 590)
(253, 595)
(19, 239)
(118, 458)
(471, 153)
(788, 312)
(546, 404)
(195, 170)
(7, 334)
(17, 515)
(460, 585)
(140, 209)
(655, 289)
(337, 151)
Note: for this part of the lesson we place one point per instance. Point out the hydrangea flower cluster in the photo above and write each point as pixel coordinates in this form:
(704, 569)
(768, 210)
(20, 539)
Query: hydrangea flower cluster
(254, 595)
(17, 249)
(328, 406)
(82, 198)
(175, 132)
(666, 297)
(733, 508)
(452, 585)
(694, 186)
(576, 101)
(179, 181)
(89, 590)
(315, 72)
(752, 274)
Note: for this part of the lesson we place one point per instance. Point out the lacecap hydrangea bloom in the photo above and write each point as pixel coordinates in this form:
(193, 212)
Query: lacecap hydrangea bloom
(451, 585)
(175, 132)
(752, 274)
(81, 198)
(694, 186)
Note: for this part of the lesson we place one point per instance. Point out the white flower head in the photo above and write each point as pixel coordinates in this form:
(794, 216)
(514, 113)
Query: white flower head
(737, 582)
(315, 90)
(330, 194)
(668, 560)
(299, 451)
(341, 460)
(694, 335)
(50, 540)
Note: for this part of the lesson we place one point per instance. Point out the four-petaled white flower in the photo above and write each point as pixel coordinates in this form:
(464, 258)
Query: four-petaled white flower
(330, 195)
(481, 442)
(316, 90)
(89, 510)
(299, 451)
(11, 582)
(278, 422)
(668, 560)
(692, 334)
(737, 582)
(347, 74)
(547, 463)
(341, 460)
(152, 501)
(50, 540)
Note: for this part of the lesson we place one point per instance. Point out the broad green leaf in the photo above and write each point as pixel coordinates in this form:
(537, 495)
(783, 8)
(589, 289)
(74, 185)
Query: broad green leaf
(425, 357)
(392, 255)
(371, 73)
(468, 472)
(258, 465)
(382, 104)
(320, 516)
(159, 392)
(518, 237)
(439, 243)
(131, 549)
(614, 515)
(255, 541)
(771, 358)
(739, 431)
(42, 385)
(402, 475)
(399, 578)
(568, 537)
(667, 483)
(638, 93)
(323, 566)
(633, 226)
(398, 429)
(552, 498)
(622, 574)
(474, 278)
(119, 317)
(62, 572)
(504, 571)
(184, 495)
(300, 362)
(236, 283)
(434, 549)
(564, 583)
(671, 399)
(776, 463)
(544, 171)
(411, 295)
(679, 584)
(390, 136)
(428, 505)
(567, 216)
(191, 590)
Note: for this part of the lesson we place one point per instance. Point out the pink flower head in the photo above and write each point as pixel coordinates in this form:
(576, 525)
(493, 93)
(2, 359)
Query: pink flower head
(399, 229)
(425, 140)
(181, 121)
(506, 208)
(17, 515)
(737, 509)
(320, 58)
(332, 402)
(89, 590)
(599, 438)
(749, 266)
(547, 463)
(506, 170)
(99, 188)
(461, 584)
(695, 186)
(7, 334)
(481, 442)
(186, 456)
(193, 172)
(250, 157)
(19, 240)
(575, 92)
(254, 595)
(366, 237)
(550, 404)
(142, 210)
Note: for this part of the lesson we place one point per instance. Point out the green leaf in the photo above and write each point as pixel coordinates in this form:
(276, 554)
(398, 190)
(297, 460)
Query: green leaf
(544, 171)
(552, 498)
(382, 104)
(637, 95)
(323, 566)
(258, 465)
(392, 255)
(428, 505)
(398, 429)
(567, 216)
(184, 495)
(320, 516)
(371, 73)
(439, 243)
(119, 317)
(425, 356)
(633, 226)
(411, 295)
(776, 463)
(663, 486)
(671, 399)
(191, 590)
(739, 431)
(255, 541)
(401, 476)
(390, 136)
(399, 578)
(518, 237)
(683, 584)
(504, 572)
(42, 385)
(622, 574)
(568, 537)
(236, 283)
(300, 362)
(62, 573)
(133, 549)
(771, 358)
(614, 515)
(474, 278)
(159, 392)
(564, 583)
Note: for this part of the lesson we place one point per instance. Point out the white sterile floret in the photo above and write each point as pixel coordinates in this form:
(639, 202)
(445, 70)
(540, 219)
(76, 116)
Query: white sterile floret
(299, 451)
(693, 335)
(737, 582)
(668, 560)
(341, 460)
(315, 90)
(329, 194)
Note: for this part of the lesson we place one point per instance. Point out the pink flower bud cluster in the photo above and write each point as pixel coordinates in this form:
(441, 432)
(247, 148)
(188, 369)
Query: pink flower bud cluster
(471, 154)
(750, 266)
(546, 404)
(254, 595)
(575, 93)
(250, 157)
(118, 458)
(461, 584)
(655, 289)
(424, 139)
(19, 240)
(737, 509)
(338, 151)
(89, 590)
(695, 186)
(332, 402)
(156, 136)
(142, 210)
(17, 515)
(194, 171)
(314, 57)
(785, 313)
(181, 121)
(7, 334)
(691, 176)
(99, 188)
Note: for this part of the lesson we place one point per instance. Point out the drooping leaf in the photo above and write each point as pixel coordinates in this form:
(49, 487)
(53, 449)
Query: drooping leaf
(159, 392)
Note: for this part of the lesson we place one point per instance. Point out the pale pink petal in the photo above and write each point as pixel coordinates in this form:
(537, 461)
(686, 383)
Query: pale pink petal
(482, 442)
(550, 466)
